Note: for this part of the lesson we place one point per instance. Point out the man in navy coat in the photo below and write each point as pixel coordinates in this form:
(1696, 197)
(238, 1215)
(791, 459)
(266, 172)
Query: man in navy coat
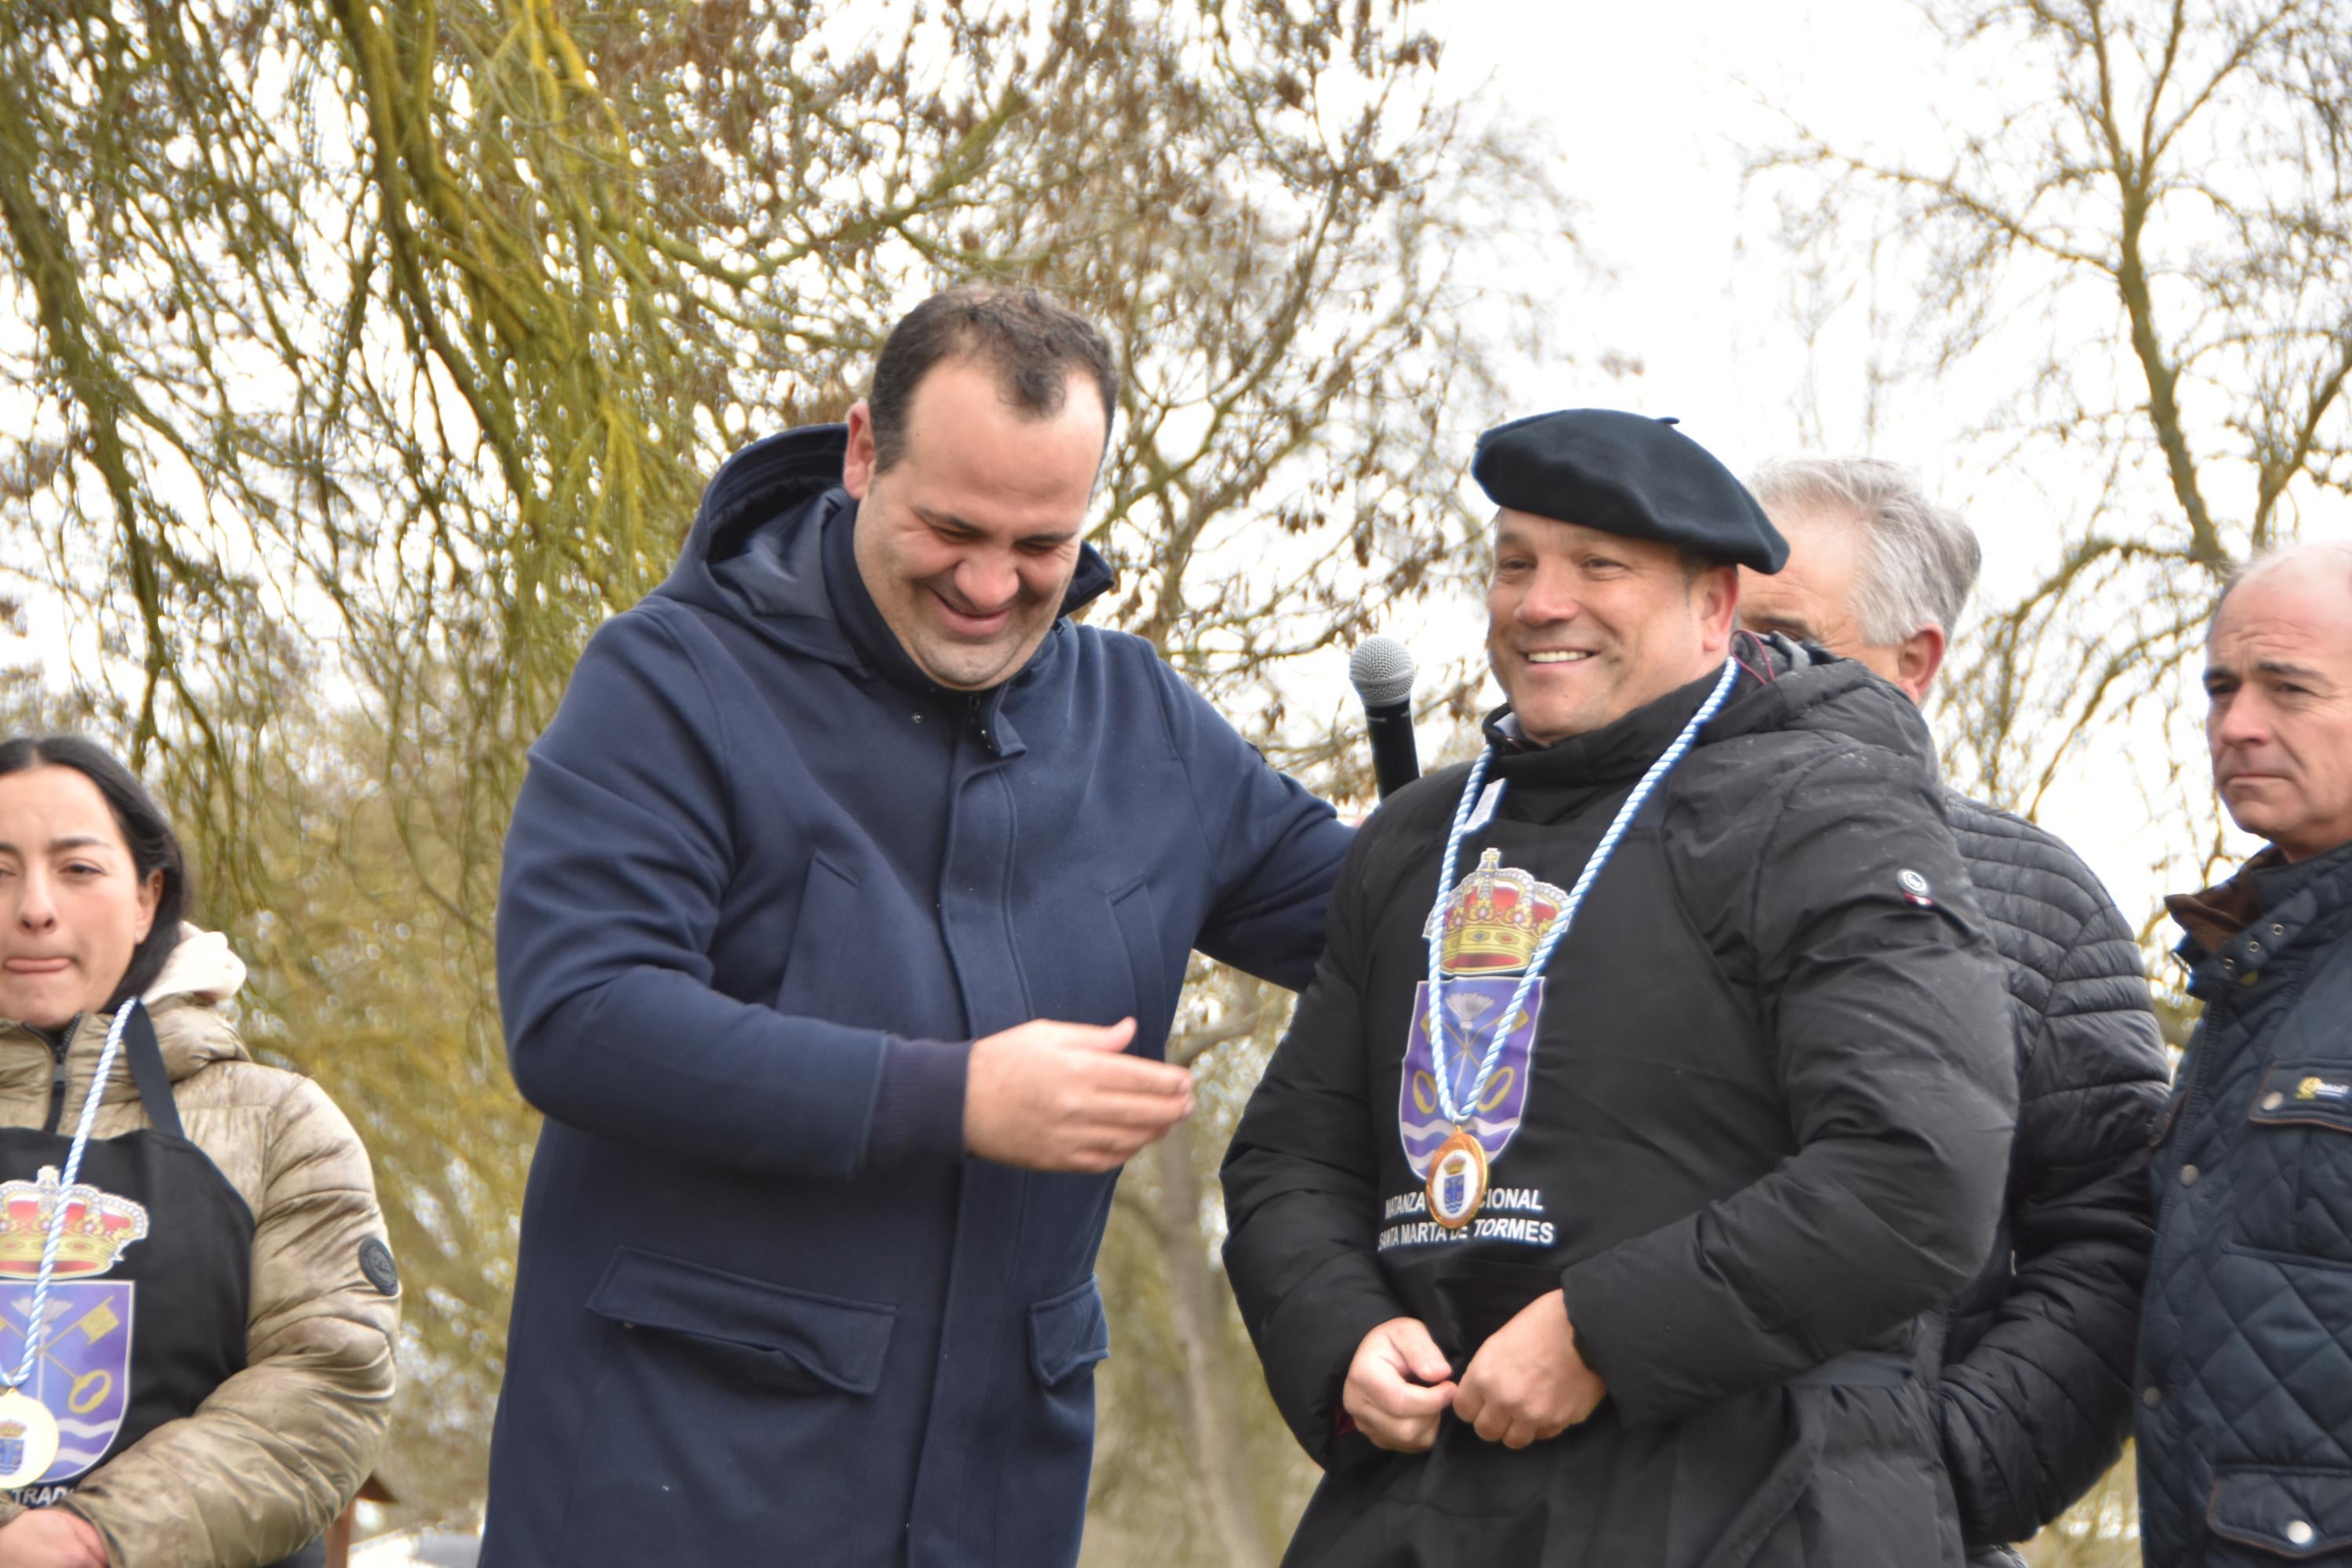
(844, 910)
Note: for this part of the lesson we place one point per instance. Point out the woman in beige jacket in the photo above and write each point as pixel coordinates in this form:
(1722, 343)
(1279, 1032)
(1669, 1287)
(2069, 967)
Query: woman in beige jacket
(199, 1376)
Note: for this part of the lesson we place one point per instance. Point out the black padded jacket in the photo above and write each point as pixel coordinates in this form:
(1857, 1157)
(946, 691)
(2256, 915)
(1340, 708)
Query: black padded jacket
(1752, 1123)
(2036, 1398)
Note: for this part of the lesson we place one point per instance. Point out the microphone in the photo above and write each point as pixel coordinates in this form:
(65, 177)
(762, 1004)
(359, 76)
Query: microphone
(1381, 672)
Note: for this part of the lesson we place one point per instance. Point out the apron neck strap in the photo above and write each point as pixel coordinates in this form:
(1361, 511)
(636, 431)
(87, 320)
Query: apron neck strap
(147, 1071)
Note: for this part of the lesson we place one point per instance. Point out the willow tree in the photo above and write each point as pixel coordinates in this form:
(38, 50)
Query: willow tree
(365, 357)
(2141, 215)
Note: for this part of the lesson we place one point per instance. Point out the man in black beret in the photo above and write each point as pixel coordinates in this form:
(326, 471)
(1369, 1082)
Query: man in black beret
(1654, 1079)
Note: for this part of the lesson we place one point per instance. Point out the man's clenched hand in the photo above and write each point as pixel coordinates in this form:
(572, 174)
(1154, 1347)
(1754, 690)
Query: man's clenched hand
(1526, 1383)
(1399, 1387)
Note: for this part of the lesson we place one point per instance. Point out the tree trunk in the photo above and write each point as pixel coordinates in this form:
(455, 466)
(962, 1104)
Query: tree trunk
(1196, 1309)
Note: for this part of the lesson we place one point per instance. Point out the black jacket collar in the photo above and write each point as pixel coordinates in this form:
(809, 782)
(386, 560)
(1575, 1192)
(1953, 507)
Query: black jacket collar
(1781, 686)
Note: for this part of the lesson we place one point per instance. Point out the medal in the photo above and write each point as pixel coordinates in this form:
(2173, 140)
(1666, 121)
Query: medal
(28, 1439)
(1456, 1180)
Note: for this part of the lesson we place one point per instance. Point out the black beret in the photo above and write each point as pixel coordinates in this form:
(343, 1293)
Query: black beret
(1626, 474)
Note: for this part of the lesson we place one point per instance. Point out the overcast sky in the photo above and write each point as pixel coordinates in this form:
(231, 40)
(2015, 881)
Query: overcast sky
(1650, 113)
(1653, 111)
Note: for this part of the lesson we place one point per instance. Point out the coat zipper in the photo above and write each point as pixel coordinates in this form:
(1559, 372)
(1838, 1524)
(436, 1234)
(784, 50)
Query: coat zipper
(58, 1049)
(2217, 1012)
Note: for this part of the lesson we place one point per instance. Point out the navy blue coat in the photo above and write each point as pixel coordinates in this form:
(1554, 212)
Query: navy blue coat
(743, 865)
(2245, 1347)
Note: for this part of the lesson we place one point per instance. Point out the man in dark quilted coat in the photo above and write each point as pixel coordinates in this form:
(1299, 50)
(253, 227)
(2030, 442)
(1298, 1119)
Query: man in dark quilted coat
(2245, 1360)
(2036, 1399)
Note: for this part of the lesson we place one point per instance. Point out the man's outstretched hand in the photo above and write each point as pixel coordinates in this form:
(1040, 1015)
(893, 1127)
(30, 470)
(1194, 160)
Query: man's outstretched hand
(1049, 1095)
(1399, 1387)
(1527, 1382)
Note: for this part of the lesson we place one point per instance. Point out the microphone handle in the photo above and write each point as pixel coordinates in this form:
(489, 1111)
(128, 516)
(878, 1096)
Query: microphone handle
(1396, 762)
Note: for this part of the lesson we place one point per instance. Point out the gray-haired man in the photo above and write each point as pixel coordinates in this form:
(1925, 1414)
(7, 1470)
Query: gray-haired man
(2037, 1364)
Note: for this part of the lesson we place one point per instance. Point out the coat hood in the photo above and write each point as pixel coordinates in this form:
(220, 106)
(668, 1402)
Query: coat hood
(201, 968)
(188, 1006)
(1787, 684)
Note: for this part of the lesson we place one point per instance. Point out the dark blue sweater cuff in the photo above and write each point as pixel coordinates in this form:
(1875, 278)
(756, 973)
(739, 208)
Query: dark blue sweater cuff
(918, 1107)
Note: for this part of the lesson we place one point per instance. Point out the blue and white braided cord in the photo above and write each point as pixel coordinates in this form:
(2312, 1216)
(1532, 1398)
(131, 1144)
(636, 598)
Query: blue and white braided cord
(37, 1324)
(1658, 770)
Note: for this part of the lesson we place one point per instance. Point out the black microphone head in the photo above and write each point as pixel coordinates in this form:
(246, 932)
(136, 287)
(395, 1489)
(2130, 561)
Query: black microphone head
(1382, 670)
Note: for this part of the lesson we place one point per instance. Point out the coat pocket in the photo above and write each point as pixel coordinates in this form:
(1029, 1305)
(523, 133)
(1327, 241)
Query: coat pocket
(2282, 1513)
(1045, 1447)
(830, 969)
(2301, 1129)
(1861, 1480)
(1068, 1334)
(722, 1405)
(780, 1337)
(1139, 930)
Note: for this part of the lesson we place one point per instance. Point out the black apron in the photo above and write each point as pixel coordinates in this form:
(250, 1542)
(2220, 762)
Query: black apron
(147, 1306)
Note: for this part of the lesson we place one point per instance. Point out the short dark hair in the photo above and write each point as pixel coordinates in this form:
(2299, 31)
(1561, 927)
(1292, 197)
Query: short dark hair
(145, 830)
(1031, 342)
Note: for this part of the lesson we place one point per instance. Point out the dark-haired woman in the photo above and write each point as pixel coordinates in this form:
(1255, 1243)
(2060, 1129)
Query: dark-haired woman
(198, 1308)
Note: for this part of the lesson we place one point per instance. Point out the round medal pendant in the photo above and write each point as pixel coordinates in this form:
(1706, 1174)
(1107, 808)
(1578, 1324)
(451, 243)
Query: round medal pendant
(28, 1439)
(1457, 1180)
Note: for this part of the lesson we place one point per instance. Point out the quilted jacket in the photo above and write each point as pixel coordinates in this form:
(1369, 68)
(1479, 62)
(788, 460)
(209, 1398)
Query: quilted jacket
(279, 1450)
(2035, 1401)
(2245, 1362)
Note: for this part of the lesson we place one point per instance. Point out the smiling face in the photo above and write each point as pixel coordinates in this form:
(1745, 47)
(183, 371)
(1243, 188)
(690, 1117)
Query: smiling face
(968, 541)
(72, 904)
(1583, 627)
(2278, 678)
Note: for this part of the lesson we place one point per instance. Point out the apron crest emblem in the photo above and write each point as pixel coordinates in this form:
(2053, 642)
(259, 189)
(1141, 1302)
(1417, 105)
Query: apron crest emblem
(98, 1227)
(83, 1376)
(1487, 929)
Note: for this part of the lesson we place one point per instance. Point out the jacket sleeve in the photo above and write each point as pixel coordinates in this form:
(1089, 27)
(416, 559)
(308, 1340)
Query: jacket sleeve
(1302, 1204)
(276, 1452)
(2038, 1408)
(1276, 847)
(1890, 1029)
(617, 859)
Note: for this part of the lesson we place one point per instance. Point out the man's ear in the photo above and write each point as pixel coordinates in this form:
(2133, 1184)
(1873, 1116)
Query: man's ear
(857, 464)
(1716, 595)
(1916, 660)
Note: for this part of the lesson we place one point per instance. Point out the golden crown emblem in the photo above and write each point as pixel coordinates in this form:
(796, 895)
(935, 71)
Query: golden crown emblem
(98, 1227)
(1495, 919)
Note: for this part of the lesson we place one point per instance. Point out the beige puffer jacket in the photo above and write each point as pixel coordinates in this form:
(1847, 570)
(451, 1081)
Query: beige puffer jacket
(265, 1464)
